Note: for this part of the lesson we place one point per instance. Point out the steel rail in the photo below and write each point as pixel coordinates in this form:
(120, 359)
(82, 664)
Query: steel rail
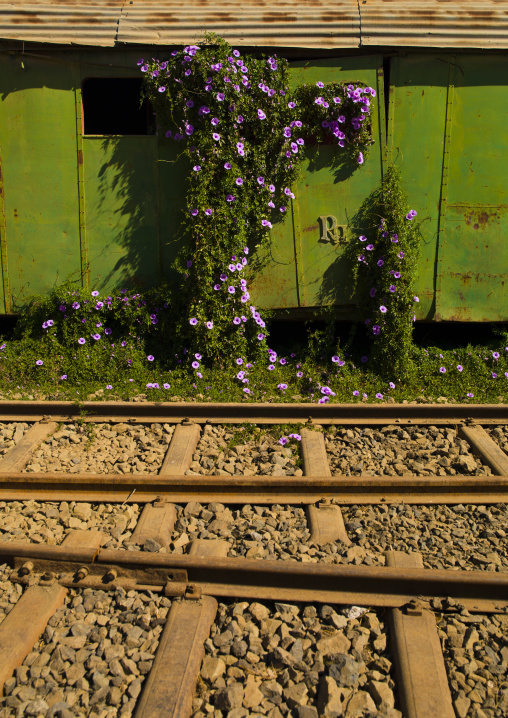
(144, 488)
(269, 579)
(267, 413)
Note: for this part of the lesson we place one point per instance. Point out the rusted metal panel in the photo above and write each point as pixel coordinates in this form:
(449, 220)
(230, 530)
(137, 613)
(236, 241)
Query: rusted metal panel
(38, 141)
(292, 24)
(473, 266)
(465, 24)
(297, 23)
(327, 191)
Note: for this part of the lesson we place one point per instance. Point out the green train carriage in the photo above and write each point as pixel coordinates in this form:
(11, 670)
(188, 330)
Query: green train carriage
(89, 191)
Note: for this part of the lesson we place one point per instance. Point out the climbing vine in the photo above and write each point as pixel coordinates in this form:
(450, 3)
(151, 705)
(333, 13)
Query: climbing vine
(245, 135)
(387, 259)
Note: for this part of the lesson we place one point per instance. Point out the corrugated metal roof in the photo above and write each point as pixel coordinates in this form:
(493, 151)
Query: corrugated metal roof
(269, 23)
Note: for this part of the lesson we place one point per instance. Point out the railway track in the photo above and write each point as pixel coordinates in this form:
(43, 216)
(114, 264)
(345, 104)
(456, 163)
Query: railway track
(275, 639)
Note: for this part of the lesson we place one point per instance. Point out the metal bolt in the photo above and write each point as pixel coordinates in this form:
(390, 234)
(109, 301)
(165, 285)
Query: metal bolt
(82, 573)
(111, 575)
(48, 576)
(26, 568)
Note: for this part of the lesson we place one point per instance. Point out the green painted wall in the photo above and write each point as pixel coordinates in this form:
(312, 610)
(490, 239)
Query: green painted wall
(106, 210)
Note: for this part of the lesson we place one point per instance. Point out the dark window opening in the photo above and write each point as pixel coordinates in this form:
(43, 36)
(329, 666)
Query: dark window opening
(111, 107)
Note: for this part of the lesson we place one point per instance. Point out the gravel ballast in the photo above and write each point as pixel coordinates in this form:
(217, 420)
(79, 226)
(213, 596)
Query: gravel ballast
(475, 648)
(92, 658)
(275, 660)
(103, 449)
(261, 455)
(400, 450)
(11, 434)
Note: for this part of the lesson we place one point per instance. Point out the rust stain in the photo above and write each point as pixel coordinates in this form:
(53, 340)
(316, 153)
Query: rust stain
(281, 17)
(164, 16)
(26, 16)
(312, 228)
(480, 219)
(218, 17)
(15, 214)
(80, 157)
(333, 16)
(84, 20)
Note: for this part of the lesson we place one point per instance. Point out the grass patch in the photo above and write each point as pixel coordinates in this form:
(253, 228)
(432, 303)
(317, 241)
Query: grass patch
(134, 358)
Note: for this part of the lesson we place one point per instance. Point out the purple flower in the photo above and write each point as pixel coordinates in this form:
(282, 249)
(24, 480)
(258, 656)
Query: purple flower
(223, 277)
(239, 361)
(216, 287)
(383, 309)
(232, 267)
(459, 367)
(380, 262)
(239, 181)
(194, 212)
(96, 337)
(237, 320)
(209, 325)
(400, 255)
(261, 115)
(166, 386)
(231, 290)
(393, 288)
(230, 198)
(372, 292)
(220, 96)
(283, 441)
(108, 331)
(417, 299)
(261, 336)
(494, 354)
(271, 367)
(470, 395)
(108, 386)
(379, 395)
(76, 305)
(266, 223)
(193, 321)
(376, 329)
(95, 293)
(442, 370)
(216, 136)
(356, 393)
(150, 357)
(335, 359)
(299, 374)
(360, 158)
(196, 168)
(64, 376)
(227, 165)
(39, 362)
(494, 375)
(391, 385)
(208, 212)
(396, 275)
(195, 365)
